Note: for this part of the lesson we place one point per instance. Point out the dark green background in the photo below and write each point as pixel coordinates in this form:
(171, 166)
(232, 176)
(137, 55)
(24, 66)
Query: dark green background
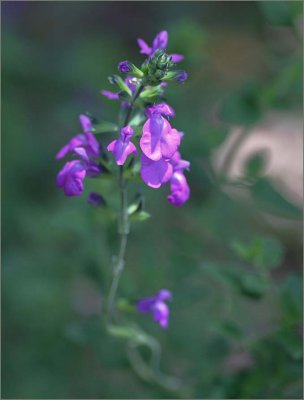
(232, 334)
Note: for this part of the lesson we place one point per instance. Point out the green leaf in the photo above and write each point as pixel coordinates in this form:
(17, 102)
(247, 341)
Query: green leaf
(265, 252)
(254, 286)
(291, 342)
(140, 216)
(242, 107)
(105, 127)
(268, 198)
(229, 329)
(138, 119)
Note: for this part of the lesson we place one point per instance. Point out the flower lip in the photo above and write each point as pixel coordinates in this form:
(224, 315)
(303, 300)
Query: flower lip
(157, 306)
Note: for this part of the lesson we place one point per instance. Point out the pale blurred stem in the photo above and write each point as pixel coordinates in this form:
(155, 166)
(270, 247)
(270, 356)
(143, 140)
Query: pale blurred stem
(123, 223)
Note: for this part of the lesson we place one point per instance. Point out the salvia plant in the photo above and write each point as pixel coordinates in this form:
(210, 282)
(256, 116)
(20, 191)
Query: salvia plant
(146, 146)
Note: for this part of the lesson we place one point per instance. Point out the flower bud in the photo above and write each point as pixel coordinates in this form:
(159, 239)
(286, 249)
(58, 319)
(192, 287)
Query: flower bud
(127, 67)
(179, 76)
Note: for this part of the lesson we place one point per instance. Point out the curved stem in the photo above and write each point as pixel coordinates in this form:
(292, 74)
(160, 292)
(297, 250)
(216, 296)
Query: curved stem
(123, 224)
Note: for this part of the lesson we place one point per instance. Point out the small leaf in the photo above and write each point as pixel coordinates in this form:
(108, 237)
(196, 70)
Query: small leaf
(105, 127)
(140, 216)
(254, 286)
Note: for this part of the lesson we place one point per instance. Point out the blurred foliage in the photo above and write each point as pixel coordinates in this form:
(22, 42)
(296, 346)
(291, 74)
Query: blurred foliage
(235, 328)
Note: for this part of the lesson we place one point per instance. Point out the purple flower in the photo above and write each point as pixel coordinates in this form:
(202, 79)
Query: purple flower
(157, 306)
(71, 177)
(123, 147)
(159, 43)
(95, 199)
(155, 173)
(162, 108)
(180, 191)
(159, 140)
(86, 140)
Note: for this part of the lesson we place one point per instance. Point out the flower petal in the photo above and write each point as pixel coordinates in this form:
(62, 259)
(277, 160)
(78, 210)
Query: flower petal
(160, 41)
(144, 48)
(180, 191)
(177, 57)
(155, 173)
(110, 95)
(85, 123)
(169, 142)
(153, 130)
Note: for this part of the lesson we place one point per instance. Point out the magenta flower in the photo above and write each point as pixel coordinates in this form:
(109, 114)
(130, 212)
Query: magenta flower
(123, 147)
(180, 191)
(159, 140)
(157, 306)
(162, 108)
(71, 177)
(86, 140)
(155, 173)
(159, 43)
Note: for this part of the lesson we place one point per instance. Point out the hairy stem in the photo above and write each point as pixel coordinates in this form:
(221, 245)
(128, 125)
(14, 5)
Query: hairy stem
(123, 224)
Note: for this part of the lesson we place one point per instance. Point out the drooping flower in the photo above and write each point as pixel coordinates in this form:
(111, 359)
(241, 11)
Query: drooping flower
(95, 199)
(180, 191)
(159, 140)
(86, 140)
(157, 306)
(159, 43)
(71, 177)
(155, 173)
(123, 147)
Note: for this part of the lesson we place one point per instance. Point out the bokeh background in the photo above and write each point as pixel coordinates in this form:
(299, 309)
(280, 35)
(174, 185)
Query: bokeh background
(232, 256)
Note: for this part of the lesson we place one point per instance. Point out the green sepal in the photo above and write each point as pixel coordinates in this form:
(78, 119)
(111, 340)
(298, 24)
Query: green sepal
(152, 93)
(117, 80)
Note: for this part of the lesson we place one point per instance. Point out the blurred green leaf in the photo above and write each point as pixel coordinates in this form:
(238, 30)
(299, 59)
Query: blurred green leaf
(242, 107)
(265, 252)
(268, 198)
(254, 286)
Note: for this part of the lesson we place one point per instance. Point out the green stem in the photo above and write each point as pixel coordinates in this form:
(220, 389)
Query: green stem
(123, 224)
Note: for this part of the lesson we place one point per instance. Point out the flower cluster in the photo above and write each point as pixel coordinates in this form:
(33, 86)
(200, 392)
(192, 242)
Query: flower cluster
(146, 137)
(86, 147)
(160, 160)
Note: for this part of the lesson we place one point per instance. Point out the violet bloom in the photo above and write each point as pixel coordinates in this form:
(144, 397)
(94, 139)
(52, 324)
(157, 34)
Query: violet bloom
(124, 67)
(92, 168)
(180, 191)
(157, 306)
(123, 147)
(71, 177)
(159, 140)
(159, 43)
(86, 140)
(155, 173)
(95, 199)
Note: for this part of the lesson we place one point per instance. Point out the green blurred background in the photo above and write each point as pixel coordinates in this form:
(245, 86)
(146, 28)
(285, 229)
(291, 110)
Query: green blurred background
(232, 256)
